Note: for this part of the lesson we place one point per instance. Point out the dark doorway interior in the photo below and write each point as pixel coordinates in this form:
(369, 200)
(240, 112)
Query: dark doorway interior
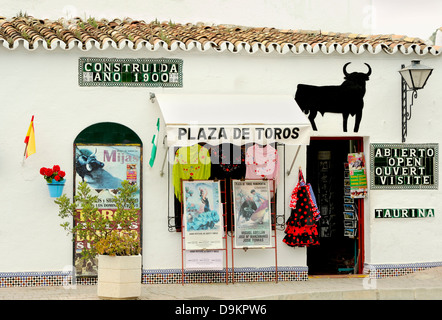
(336, 253)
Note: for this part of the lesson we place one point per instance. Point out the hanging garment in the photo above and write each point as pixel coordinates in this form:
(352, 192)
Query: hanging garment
(190, 162)
(301, 229)
(227, 161)
(262, 163)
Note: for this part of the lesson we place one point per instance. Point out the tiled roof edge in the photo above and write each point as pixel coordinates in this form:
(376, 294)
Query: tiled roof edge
(32, 33)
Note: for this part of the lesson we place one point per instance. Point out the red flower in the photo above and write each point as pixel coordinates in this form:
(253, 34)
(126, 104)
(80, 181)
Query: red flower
(52, 174)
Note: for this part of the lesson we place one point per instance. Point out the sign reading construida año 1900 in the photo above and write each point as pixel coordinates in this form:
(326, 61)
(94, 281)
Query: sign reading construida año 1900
(404, 166)
(130, 72)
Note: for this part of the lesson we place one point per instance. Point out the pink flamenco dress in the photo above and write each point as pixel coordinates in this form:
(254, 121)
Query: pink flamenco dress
(301, 227)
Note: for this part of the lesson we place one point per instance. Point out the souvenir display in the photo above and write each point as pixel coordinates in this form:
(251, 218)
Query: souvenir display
(350, 209)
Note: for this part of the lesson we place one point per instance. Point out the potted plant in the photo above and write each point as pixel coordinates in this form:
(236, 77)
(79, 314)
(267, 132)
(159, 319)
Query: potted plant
(113, 238)
(55, 179)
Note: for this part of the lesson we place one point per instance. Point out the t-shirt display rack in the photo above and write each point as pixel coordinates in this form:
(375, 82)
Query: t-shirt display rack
(261, 164)
(183, 249)
(174, 224)
(273, 228)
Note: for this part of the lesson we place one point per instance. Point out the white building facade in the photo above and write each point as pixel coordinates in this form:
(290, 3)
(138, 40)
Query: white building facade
(398, 220)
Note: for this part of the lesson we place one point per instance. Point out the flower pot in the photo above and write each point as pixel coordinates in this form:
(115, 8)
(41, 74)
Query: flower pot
(56, 188)
(119, 277)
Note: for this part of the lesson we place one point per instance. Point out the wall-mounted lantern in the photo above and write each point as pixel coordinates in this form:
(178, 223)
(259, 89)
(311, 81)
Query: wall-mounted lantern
(414, 77)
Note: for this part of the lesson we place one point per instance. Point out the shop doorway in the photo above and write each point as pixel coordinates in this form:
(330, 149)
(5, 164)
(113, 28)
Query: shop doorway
(327, 171)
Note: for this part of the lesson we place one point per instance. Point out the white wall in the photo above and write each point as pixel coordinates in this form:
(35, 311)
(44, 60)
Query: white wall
(44, 83)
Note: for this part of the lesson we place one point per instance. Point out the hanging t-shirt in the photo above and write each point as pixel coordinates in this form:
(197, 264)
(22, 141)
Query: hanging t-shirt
(190, 162)
(227, 161)
(262, 163)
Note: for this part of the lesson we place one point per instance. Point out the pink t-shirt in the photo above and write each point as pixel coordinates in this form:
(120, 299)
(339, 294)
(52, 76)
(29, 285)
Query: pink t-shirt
(262, 162)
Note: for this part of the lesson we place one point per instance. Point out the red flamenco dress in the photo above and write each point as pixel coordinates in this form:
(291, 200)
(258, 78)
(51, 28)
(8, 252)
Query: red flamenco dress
(301, 229)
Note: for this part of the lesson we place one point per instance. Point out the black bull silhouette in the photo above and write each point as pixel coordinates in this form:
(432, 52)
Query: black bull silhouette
(347, 98)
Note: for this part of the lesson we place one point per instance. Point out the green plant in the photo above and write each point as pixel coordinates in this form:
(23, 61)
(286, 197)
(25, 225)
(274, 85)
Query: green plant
(119, 244)
(97, 228)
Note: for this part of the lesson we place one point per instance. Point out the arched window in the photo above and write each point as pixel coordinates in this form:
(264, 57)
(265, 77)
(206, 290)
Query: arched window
(106, 154)
(108, 133)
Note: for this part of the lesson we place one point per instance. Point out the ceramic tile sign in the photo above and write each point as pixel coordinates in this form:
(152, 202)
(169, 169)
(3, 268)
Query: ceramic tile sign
(404, 213)
(130, 72)
(404, 166)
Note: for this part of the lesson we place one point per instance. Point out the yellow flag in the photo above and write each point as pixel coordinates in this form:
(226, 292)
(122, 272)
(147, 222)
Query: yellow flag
(30, 140)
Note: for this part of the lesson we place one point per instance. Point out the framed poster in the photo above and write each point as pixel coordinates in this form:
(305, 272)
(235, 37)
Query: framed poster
(202, 215)
(104, 167)
(251, 205)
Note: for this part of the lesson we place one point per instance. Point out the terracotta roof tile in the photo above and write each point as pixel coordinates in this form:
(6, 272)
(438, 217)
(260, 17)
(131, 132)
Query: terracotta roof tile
(137, 34)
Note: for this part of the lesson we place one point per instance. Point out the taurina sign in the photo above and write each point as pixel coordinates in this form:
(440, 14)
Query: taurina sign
(130, 72)
(404, 166)
(404, 213)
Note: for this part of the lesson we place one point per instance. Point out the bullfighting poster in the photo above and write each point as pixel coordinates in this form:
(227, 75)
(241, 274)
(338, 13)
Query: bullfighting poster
(202, 215)
(104, 167)
(251, 205)
(358, 176)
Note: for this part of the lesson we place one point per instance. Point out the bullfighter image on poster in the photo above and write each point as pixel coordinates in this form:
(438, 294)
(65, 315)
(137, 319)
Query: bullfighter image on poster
(104, 167)
(202, 215)
(347, 98)
(252, 213)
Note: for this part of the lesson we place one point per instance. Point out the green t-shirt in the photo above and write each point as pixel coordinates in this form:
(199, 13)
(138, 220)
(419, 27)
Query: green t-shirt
(190, 162)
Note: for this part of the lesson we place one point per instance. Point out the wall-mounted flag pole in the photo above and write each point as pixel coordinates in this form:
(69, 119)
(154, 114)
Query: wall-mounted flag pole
(30, 140)
(154, 144)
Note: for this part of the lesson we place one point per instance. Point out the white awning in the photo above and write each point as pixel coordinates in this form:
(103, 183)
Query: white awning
(238, 119)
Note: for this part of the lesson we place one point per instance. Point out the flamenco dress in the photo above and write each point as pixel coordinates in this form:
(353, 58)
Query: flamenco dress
(301, 229)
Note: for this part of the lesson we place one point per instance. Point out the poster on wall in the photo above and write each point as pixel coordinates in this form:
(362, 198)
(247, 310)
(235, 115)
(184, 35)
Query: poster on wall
(103, 168)
(357, 175)
(202, 215)
(251, 205)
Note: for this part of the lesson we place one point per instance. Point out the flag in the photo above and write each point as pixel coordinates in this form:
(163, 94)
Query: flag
(30, 140)
(154, 144)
